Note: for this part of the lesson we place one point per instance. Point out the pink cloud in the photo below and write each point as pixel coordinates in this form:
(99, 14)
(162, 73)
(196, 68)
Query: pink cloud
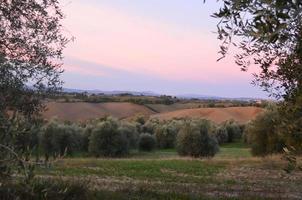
(124, 41)
(84, 70)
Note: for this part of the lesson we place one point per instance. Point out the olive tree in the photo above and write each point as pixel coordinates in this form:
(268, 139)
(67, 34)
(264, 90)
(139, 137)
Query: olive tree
(107, 140)
(268, 35)
(31, 44)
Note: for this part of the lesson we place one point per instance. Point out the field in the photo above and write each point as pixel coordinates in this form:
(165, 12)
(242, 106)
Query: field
(232, 174)
(82, 111)
(218, 115)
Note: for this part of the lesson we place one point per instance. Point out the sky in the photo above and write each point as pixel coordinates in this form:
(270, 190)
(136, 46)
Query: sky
(164, 46)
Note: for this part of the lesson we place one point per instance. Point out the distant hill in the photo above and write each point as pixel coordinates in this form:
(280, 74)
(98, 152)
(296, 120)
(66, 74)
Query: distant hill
(114, 92)
(150, 93)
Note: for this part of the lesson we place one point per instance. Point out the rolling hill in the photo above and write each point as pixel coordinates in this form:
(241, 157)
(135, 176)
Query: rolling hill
(218, 115)
(82, 111)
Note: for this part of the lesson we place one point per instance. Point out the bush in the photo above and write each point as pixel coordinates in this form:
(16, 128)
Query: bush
(221, 135)
(194, 140)
(107, 140)
(130, 131)
(146, 142)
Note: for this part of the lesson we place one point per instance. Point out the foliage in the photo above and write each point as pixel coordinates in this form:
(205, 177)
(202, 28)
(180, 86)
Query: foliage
(61, 139)
(44, 189)
(130, 131)
(31, 44)
(150, 126)
(268, 33)
(289, 126)
(86, 135)
(221, 135)
(140, 119)
(194, 140)
(262, 134)
(291, 159)
(233, 130)
(146, 142)
(107, 140)
(166, 135)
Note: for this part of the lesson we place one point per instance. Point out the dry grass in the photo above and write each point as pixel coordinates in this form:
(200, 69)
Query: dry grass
(245, 178)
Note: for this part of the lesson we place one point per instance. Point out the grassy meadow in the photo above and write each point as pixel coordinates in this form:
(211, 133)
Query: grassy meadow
(232, 174)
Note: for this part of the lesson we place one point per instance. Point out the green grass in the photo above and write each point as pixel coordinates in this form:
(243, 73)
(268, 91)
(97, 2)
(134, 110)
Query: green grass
(162, 174)
(234, 151)
(161, 165)
(157, 154)
(181, 171)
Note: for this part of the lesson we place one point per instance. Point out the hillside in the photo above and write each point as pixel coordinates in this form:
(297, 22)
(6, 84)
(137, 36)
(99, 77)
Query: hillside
(82, 111)
(218, 115)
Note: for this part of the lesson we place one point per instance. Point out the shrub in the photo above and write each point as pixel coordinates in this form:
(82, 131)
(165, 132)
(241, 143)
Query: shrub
(107, 140)
(146, 142)
(221, 135)
(130, 131)
(194, 140)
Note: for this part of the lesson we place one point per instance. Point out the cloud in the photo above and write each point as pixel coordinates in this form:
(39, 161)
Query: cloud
(117, 79)
(126, 41)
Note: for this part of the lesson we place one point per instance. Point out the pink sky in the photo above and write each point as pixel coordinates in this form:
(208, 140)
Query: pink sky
(123, 39)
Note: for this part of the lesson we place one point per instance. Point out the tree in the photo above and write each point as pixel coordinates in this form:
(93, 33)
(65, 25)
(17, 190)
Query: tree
(31, 43)
(194, 139)
(146, 142)
(106, 140)
(269, 35)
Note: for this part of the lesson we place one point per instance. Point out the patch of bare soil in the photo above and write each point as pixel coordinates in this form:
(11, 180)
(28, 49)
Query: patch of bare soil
(218, 115)
(82, 111)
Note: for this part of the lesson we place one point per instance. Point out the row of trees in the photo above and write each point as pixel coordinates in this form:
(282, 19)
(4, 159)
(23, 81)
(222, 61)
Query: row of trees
(110, 137)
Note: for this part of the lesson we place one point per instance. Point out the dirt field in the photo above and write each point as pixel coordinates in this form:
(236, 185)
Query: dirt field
(81, 111)
(218, 115)
(161, 108)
